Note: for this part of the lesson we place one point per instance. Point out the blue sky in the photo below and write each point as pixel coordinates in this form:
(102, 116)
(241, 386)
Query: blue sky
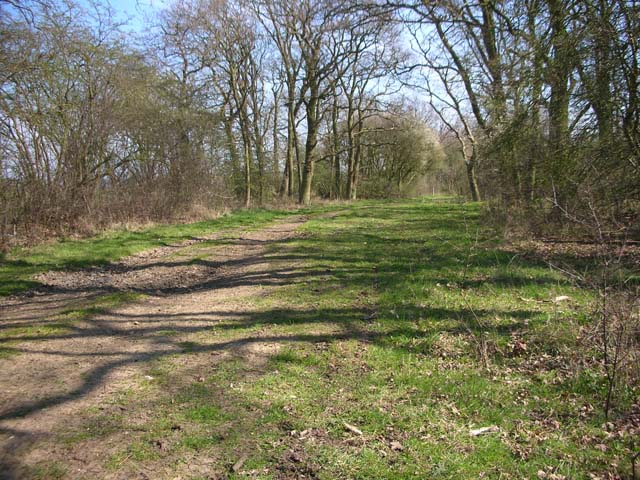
(135, 11)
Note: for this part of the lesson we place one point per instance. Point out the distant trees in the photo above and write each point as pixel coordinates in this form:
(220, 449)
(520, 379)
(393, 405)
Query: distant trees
(398, 149)
(61, 94)
(196, 112)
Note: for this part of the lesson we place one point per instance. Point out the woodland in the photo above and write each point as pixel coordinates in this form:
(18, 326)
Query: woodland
(320, 239)
(530, 105)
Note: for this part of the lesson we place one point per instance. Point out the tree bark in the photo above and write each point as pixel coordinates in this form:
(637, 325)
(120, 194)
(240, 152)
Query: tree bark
(276, 140)
(471, 162)
(291, 136)
(247, 174)
(337, 184)
(310, 145)
(560, 69)
(473, 182)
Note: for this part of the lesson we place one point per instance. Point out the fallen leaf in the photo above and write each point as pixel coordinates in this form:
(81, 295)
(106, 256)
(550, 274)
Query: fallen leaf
(351, 428)
(518, 347)
(484, 430)
(396, 446)
(550, 475)
(238, 465)
(525, 299)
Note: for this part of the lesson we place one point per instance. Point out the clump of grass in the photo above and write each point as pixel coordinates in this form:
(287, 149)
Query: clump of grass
(49, 470)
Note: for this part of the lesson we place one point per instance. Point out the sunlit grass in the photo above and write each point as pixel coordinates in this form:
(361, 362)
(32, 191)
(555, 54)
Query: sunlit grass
(408, 321)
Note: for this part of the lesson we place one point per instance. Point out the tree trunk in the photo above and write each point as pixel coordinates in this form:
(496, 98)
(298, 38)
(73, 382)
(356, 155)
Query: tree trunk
(351, 152)
(336, 149)
(233, 152)
(312, 140)
(356, 171)
(355, 153)
(298, 161)
(284, 186)
(276, 141)
(247, 173)
(559, 82)
(291, 144)
(307, 178)
(246, 142)
(603, 103)
(350, 174)
(471, 176)
(260, 157)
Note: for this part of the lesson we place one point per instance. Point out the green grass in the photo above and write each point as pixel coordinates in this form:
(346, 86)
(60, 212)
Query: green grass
(401, 319)
(403, 324)
(18, 268)
(49, 471)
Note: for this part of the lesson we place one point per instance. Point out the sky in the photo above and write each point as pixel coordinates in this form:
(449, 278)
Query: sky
(134, 11)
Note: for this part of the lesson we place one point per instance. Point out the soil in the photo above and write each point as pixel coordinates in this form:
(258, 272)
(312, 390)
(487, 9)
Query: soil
(188, 288)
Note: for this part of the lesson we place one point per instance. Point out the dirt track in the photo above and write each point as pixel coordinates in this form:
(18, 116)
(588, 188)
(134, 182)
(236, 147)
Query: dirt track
(188, 289)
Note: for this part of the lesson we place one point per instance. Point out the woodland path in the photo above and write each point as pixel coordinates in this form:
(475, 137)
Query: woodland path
(373, 341)
(187, 289)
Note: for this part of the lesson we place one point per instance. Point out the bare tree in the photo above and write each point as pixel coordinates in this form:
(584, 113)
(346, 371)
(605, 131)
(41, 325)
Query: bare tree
(373, 55)
(278, 17)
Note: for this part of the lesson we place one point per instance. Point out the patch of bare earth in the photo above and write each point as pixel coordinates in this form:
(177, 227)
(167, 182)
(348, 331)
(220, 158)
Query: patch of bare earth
(53, 380)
